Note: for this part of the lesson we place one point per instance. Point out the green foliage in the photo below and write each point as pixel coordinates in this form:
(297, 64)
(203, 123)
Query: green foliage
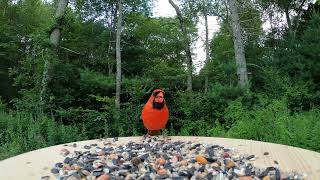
(29, 102)
(22, 132)
(207, 109)
(299, 97)
(89, 41)
(273, 123)
(265, 124)
(217, 131)
(93, 124)
(2, 105)
(222, 67)
(149, 41)
(310, 48)
(95, 81)
(304, 130)
(64, 85)
(161, 73)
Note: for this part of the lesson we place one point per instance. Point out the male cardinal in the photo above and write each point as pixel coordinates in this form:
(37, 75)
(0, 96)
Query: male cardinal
(155, 113)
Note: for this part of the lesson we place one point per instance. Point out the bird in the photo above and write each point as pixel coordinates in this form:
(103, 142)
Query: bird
(155, 113)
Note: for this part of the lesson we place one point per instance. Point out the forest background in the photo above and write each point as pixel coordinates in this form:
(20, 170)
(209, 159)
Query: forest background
(72, 70)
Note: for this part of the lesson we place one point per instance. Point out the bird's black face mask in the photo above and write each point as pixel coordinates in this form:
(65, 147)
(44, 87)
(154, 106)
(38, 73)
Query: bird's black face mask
(157, 105)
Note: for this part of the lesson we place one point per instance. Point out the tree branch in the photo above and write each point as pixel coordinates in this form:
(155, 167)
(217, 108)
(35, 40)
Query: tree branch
(69, 50)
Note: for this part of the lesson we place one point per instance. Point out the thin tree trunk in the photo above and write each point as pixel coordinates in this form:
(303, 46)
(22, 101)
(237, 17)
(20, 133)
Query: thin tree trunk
(4, 11)
(111, 38)
(271, 26)
(286, 11)
(186, 45)
(207, 51)
(54, 40)
(238, 44)
(110, 44)
(225, 2)
(297, 22)
(271, 20)
(118, 55)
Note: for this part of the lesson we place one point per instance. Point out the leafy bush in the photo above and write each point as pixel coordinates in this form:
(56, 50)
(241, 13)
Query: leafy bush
(2, 105)
(196, 113)
(274, 123)
(299, 97)
(22, 132)
(93, 123)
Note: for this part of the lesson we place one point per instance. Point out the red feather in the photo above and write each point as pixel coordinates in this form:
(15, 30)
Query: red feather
(154, 119)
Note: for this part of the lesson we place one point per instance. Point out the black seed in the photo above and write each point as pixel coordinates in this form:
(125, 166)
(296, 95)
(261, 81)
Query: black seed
(54, 171)
(248, 171)
(67, 160)
(194, 146)
(168, 166)
(202, 168)
(177, 178)
(215, 146)
(108, 149)
(146, 177)
(115, 161)
(211, 160)
(144, 157)
(163, 176)
(250, 157)
(88, 167)
(113, 168)
(185, 174)
(278, 176)
(58, 165)
(45, 178)
(97, 173)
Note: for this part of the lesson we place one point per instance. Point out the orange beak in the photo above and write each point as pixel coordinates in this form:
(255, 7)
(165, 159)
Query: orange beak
(159, 98)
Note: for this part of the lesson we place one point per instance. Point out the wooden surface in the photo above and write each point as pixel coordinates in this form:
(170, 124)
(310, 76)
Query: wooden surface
(35, 164)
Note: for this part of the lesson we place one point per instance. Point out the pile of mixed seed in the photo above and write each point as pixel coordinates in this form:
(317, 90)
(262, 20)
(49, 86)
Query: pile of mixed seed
(157, 157)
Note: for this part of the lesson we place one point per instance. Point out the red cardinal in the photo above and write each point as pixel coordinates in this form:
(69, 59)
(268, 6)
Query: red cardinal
(155, 113)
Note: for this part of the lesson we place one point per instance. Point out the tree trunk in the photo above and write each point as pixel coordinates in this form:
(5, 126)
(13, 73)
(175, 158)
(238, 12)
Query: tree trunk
(207, 51)
(286, 11)
(111, 38)
(186, 45)
(118, 55)
(54, 41)
(297, 22)
(238, 44)
(271, 20)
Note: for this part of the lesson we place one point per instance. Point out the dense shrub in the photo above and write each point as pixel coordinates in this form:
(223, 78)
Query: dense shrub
(22, 132)
(274, 123)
